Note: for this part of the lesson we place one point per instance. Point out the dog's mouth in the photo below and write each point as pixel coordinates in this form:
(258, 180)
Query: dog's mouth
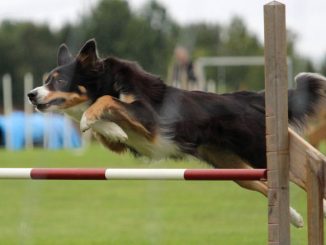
(43, 107)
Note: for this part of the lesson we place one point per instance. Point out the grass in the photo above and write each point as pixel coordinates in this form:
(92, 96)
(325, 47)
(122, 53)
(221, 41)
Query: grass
(128, 212)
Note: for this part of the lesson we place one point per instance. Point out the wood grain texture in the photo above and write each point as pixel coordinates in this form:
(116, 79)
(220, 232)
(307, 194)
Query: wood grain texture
(276, 101)
(315, 183)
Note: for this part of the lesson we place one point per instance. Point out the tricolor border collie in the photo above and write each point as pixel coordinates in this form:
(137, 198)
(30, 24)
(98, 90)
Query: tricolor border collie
(129, 109)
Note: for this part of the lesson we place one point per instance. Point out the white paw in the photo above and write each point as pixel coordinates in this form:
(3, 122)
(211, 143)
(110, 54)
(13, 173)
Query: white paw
(110, 130)
(324, 206)
(85, 124)
(296, 218)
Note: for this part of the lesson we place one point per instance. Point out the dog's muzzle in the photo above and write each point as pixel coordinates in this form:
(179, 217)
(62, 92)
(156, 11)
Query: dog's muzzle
(36, 97)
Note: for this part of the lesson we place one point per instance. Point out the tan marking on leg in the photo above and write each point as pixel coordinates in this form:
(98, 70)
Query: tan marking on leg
(108, 108)
(121, 116)
(223, 159)
(256, 185)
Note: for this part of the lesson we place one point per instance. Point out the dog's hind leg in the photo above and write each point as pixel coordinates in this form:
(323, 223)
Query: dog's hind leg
(261, 187)
(222, 159)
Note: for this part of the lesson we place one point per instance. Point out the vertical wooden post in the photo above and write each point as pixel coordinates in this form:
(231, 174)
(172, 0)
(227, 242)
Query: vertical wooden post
(28, 109)
(315, 193)
(8, 108)
(277, 123)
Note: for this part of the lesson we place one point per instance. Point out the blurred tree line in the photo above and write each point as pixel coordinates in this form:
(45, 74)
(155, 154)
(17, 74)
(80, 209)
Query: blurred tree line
(148, 35)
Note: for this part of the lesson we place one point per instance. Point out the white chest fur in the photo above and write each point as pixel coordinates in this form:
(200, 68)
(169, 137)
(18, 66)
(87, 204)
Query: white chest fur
(76, 112)
(160, 148)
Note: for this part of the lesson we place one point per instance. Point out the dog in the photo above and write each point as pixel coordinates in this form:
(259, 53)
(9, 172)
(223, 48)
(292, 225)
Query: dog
(129, 109)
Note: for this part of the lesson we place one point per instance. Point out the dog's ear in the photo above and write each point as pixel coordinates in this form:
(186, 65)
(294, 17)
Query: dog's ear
(64, 55)
(87, 56)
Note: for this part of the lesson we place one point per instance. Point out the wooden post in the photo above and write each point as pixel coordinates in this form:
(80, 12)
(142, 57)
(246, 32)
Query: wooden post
(277, 123)
(8, 108)
(315, 191)
(28, 109)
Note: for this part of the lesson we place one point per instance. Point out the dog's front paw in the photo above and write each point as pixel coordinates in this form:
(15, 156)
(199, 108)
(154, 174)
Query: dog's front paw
(86, 123)
(110, 130)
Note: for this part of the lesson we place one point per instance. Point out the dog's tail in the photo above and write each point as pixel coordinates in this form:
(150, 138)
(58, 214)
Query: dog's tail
(308, 98)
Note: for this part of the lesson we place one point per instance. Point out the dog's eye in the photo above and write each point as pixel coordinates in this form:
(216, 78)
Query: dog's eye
(61, 82)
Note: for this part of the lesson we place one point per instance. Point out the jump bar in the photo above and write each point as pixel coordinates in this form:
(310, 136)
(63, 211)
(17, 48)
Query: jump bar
(132, 174)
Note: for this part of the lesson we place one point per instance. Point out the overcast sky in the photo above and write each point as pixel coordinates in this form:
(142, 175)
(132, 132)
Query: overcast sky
(306, 18)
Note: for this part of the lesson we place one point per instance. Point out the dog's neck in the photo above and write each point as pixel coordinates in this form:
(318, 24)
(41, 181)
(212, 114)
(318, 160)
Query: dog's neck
(76, 112)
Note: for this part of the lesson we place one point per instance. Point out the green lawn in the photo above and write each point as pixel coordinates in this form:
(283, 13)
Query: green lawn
(128, 212)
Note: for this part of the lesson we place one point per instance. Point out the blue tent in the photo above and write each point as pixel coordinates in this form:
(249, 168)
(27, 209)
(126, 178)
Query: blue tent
(54, 125)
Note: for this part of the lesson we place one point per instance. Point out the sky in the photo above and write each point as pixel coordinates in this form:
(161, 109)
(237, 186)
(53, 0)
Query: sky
(306, 18)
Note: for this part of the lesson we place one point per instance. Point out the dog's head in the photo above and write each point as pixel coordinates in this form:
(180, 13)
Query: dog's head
(83, 79)
(67, 85)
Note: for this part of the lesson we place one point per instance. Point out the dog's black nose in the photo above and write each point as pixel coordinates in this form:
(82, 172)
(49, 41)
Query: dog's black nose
(32, 95)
